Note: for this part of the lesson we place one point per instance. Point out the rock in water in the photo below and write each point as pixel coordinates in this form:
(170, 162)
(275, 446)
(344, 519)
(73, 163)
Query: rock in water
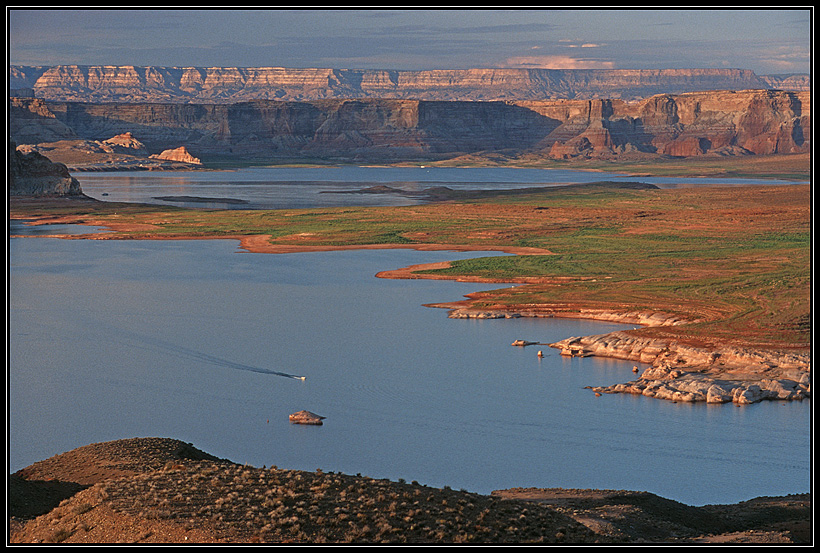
(306, 417)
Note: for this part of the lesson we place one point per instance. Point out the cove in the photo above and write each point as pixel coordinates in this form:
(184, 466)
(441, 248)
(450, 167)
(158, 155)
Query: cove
(185, 339)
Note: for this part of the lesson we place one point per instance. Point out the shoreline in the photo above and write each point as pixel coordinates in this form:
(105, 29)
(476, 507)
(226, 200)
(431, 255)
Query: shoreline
(679, 371)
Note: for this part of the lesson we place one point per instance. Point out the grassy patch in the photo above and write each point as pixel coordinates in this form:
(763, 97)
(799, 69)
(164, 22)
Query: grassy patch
(737, 259)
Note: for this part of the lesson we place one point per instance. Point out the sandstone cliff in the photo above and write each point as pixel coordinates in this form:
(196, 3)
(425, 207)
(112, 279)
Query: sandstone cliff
(234, 84)
(697, 123)
(33, 174)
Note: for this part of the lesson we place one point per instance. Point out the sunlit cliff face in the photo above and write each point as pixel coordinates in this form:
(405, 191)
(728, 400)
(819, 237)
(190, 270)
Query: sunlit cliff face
(721, 122)
(530, 79)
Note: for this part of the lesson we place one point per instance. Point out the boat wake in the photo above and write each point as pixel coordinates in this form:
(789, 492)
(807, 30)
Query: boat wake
(188, 353)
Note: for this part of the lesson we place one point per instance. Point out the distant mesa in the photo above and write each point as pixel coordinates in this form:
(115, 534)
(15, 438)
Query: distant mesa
(96, 83)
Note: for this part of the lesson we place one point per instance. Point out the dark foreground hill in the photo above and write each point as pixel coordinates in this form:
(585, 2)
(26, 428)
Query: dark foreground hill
(159, 490)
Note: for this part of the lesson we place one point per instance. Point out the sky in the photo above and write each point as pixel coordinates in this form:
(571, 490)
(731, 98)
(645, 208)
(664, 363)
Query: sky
(768, 42)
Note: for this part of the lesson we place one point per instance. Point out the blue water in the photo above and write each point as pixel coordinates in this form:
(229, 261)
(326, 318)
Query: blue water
(195, 340)
(287, 187)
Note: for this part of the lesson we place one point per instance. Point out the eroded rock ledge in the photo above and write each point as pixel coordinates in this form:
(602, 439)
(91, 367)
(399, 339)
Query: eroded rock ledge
(647, 318)
(678, 371)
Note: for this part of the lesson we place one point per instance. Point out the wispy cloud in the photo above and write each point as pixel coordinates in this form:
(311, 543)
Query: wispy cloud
(557, 62)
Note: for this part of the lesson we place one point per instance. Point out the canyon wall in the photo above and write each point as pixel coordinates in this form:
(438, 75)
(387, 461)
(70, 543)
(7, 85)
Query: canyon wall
(233, 84)
(747, 122)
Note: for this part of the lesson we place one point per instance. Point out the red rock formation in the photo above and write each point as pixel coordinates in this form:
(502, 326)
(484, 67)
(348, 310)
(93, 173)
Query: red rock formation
(177, 154)
(724, 122)
(233, 84)
(125, 140)
(699, 123)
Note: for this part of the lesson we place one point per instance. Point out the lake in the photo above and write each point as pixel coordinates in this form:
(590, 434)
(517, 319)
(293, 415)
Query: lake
(303, 187)
(200, 341)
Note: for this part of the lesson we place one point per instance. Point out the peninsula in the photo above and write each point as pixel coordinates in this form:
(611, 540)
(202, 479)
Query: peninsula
(716, 280)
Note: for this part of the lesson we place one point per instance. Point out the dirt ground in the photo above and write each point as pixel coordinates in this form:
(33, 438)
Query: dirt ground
(159, 490)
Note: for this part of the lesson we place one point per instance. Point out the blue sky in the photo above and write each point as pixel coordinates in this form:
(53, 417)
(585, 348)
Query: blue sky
(765, 41)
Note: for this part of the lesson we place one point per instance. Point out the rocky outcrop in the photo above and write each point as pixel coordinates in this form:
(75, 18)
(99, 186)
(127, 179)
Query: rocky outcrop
(126, 142)
(647, 318)
(33, 174)
(180, 154)
(752, 122)
(234, 84)
(680, 372)
(680, 385)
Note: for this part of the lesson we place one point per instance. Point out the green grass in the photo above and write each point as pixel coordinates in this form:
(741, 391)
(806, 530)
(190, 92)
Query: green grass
(739, 259)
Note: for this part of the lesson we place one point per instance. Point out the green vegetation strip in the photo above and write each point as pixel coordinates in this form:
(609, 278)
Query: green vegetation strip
(738, 259)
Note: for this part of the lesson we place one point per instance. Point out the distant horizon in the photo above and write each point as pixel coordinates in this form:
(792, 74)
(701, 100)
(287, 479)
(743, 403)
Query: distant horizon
(765, 41)
(403, 70)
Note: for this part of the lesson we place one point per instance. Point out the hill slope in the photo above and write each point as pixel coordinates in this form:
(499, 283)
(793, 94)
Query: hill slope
(158, 490)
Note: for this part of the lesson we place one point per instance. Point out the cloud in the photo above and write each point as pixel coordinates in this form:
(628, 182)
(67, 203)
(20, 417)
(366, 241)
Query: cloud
(786, 59)
(557, 62)
(585, 45)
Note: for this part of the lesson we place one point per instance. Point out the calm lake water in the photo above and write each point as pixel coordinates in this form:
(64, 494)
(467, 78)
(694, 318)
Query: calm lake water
(196, 340)
(284, 187)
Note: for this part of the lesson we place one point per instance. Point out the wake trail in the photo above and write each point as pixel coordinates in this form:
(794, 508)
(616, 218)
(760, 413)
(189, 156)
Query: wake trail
(181, 351)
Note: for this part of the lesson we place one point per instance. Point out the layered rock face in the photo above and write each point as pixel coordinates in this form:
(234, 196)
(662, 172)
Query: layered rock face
(233, 84)
(33, 174)
(725, 122)
(692, 374)
(699, 123)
